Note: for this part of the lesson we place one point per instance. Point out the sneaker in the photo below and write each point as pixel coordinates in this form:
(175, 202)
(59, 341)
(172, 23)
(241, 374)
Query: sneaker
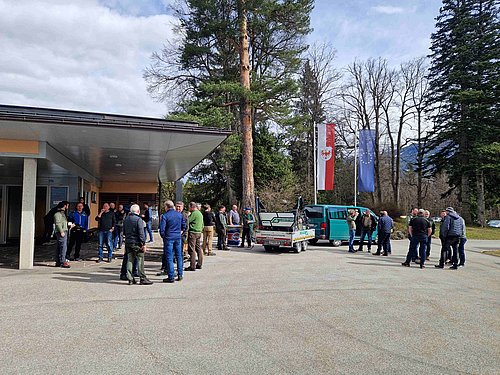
(123, 277)
(99, 260)
(189, 269)
(211, 254)
(198, 267)
(145, 282)
(454, 267)
(65, 265)
(438, 266)
(422, 266)
(405, 264)
(169, 281)
(461, 265)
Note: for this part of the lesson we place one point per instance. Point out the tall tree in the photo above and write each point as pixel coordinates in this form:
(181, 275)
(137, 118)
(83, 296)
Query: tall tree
(464, 94)
(202, 72)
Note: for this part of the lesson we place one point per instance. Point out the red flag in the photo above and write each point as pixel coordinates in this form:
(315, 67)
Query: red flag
(326, 156)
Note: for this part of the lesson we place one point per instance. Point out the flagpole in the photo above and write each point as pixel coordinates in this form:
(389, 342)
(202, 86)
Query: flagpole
(315, 157)
(355, 166)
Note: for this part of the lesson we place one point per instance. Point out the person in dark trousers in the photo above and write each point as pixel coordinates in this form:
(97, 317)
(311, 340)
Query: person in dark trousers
(172, 224)
(247, 220)
(135, 245)
(48, 221)
(461, 245)
(368, 225)
(118, 232)
(147, 217)
(419, 230)
(385, 225)
(61, 225)
(452, 228)
(413, 213)
(78, 232)
(220, 227)
(106, 220)
(427, 216)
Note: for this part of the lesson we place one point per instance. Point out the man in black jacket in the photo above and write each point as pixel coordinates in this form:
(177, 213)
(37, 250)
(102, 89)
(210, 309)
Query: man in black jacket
(106, 220)
(368, 225)
(133, 228)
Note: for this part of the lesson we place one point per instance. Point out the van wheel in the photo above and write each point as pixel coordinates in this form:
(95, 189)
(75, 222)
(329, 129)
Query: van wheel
(335, 243)
(297, 247)
(313, 241)
(304, 245)
(268, 248)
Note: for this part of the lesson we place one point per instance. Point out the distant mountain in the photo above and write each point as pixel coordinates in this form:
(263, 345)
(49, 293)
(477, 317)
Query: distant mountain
(409, 157)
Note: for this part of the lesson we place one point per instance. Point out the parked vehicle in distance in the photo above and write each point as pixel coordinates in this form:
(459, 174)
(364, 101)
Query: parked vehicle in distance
(493, 223)
(330, 223)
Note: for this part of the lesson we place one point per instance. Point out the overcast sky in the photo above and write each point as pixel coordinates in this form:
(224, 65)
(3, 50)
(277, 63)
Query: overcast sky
(89, 54)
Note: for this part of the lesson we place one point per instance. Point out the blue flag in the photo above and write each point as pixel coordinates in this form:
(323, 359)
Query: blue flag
(366, 181)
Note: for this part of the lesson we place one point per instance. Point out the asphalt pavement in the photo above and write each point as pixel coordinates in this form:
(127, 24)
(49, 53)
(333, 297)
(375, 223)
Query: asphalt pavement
(323, 311)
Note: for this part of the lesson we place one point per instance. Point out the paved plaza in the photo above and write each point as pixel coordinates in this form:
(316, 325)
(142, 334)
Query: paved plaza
(323, 311)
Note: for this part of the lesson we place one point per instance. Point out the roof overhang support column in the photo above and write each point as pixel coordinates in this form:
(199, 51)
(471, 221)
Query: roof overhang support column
(27, 235)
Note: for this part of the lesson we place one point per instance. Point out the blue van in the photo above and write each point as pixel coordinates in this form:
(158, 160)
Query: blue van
(330, 222)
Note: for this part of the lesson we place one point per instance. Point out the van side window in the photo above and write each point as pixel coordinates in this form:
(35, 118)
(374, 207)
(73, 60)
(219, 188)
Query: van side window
(314, 212)
(337, 213)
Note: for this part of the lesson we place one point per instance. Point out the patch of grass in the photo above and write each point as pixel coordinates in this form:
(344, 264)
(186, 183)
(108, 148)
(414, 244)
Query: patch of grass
(478, 233)
(492, 252)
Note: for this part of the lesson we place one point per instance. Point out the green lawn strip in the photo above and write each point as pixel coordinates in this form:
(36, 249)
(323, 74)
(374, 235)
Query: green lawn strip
(492, 252)
(478, 233)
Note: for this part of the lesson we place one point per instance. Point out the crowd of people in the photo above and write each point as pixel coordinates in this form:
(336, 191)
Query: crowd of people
(188, 235)
(421, 228)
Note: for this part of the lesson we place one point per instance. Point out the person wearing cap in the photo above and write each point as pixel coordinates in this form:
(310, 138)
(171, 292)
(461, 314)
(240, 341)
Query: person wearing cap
(452, 228)
(247, 219)
(419, 230)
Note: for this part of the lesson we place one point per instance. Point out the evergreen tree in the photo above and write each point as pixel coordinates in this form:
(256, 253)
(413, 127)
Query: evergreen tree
(464, 94)
(202, 73)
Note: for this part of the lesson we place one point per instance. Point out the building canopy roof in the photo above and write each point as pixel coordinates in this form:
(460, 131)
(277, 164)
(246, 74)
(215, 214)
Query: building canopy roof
(112, 147)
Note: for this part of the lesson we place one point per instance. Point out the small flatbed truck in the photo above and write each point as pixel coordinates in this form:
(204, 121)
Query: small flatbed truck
(284, 229)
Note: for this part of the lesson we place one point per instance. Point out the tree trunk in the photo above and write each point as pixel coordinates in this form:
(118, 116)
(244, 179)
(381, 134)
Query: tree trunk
(245, 111)
(480, 197)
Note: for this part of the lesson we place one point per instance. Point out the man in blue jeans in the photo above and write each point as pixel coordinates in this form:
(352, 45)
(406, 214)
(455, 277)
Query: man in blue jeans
(351, 223)
(172, 224)
(106, 220)
(419, 230)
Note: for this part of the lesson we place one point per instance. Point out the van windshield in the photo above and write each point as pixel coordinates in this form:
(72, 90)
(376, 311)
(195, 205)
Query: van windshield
(314, 212)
